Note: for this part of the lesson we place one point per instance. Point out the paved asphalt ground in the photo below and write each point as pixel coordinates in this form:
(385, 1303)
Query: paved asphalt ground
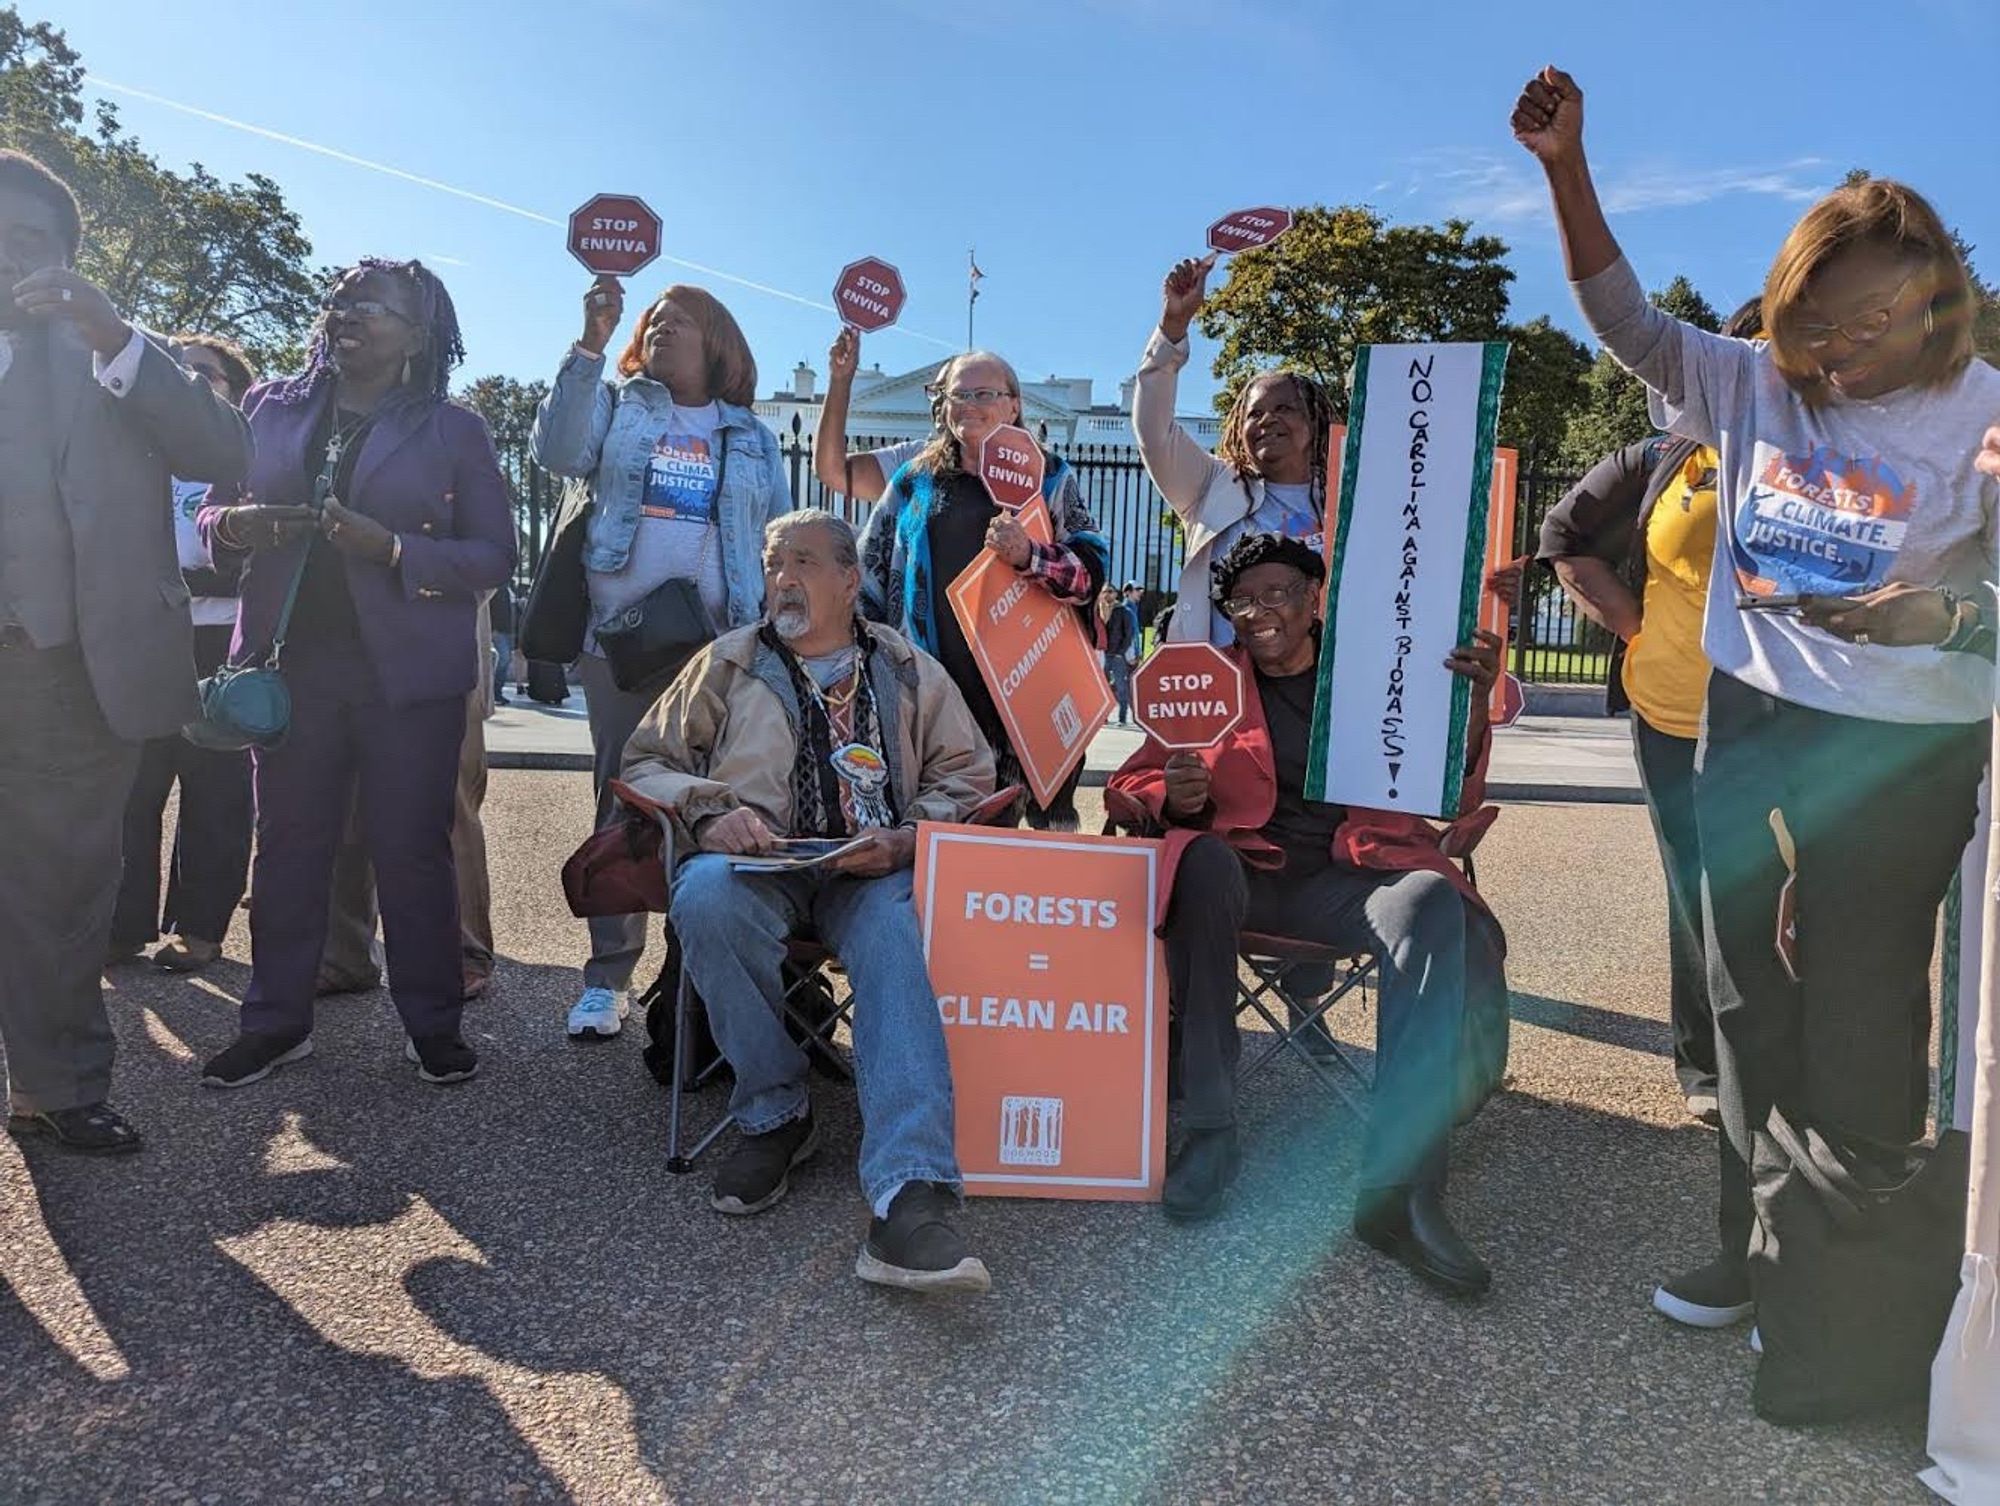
(341, 1284)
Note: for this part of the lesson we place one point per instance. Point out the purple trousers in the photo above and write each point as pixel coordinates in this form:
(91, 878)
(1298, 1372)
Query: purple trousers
(405, 760)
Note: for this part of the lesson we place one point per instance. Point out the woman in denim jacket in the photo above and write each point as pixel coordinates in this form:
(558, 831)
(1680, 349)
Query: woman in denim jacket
(684, 478)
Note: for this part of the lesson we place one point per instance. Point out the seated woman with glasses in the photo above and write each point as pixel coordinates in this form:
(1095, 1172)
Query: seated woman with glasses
(1246, 849)
(936, 517)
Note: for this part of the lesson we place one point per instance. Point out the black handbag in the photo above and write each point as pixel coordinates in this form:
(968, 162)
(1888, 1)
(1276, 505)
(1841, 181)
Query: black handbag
(1854, 1266)
(558, 611)
(653, 638)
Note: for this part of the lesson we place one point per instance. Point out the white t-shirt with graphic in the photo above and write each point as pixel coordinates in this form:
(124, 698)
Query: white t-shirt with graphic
(207, 611)
(679, 537)
(1286, 508)
(1835, 500)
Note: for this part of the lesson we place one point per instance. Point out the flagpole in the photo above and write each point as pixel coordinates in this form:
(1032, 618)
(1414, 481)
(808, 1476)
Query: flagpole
(971, 290)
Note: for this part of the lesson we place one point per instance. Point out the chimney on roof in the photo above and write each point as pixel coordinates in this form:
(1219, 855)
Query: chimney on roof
(804, 378)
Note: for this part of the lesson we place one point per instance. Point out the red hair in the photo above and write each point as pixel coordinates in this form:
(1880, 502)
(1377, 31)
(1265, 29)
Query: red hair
(732, 370)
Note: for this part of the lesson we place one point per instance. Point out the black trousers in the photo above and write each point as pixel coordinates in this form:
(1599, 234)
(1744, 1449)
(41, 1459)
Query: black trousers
(1440, 959)
(1879, 814)
(211, 856)
(1666, 773)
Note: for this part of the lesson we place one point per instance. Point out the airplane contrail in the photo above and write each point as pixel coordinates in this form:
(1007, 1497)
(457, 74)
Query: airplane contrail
(455, 191)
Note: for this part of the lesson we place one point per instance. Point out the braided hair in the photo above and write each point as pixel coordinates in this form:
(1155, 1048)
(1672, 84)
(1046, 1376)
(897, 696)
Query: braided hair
(1255, 549)
(430, 368)
(1234, 449)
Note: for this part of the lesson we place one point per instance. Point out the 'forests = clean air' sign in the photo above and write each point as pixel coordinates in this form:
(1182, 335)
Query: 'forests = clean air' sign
(868, 295)
(1049, 983)
(1187, 695)
(1405, 577)
(614, 235)
(1248, 229)
(1011, 465)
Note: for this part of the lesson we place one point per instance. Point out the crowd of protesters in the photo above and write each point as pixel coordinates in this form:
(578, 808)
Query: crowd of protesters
(332, 551)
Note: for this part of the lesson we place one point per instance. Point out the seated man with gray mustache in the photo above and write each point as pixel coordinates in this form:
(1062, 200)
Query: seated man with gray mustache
(816, 724)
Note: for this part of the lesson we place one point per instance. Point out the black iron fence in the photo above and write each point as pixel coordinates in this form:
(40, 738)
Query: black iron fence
(1552, 641)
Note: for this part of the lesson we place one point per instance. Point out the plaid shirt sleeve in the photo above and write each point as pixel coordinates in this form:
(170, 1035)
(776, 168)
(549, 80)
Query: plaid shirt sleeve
(1058, 568)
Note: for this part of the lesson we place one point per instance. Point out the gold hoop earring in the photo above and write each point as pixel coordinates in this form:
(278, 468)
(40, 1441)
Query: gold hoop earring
(1930, 322)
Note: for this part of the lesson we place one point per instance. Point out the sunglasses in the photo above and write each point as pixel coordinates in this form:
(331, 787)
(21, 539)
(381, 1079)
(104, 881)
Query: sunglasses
(361, 308)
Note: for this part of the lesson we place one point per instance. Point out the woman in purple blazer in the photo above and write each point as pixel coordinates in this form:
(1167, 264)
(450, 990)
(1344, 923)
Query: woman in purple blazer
(392, 498)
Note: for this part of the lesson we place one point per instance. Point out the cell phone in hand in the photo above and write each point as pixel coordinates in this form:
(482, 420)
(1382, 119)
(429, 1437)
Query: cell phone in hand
(1781, 602)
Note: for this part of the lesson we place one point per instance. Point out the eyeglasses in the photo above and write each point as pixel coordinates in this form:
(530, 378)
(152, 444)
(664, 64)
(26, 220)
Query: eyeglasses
(361, 308)
(963, 396)
(1270, 599)
(1862, 329)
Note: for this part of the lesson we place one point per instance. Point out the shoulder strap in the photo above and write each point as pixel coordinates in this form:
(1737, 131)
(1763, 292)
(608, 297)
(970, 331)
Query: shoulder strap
(291, 600)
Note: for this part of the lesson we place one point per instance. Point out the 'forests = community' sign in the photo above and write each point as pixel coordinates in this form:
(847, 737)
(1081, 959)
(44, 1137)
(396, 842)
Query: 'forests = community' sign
(614, 235)
(1405, 577)
(1187, 695)
(868, 295)
(1042, 670)
(1049, 983)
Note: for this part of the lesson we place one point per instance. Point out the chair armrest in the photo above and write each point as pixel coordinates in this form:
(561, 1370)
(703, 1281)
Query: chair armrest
(997, 809)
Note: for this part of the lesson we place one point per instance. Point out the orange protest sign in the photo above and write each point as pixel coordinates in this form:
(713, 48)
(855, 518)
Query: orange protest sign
(1496, 615)
(1045, 675)
(1052, 989)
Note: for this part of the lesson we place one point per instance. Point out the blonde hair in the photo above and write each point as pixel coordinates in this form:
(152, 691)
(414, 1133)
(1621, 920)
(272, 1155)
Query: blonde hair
(941, 454)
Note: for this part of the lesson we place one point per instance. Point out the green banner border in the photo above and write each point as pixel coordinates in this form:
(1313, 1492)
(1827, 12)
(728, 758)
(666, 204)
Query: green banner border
(1949, 980)
(1472, 577)
(1350, 465)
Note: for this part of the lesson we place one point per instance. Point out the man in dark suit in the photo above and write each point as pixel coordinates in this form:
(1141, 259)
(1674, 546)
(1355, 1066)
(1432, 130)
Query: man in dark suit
(96, 643)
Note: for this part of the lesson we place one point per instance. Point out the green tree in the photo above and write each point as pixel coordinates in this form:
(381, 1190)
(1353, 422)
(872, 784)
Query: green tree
(1612, 413)
(1344, 277)
(509, 407)
(174, 250)
(1547, 369)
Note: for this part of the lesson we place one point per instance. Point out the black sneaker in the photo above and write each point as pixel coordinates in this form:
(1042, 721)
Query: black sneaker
(914, 1248)
(441, 1058)
(758, 1172)
(95, 1129)
(1198, 1181)
(1716, 1295)
(252, 1057)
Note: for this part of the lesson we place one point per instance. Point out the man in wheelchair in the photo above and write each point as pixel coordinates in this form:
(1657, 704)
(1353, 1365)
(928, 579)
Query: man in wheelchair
(1247, 851)
(813, 724)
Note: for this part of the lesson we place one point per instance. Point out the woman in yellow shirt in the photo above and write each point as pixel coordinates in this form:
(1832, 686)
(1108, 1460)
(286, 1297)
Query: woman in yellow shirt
(1632, 544)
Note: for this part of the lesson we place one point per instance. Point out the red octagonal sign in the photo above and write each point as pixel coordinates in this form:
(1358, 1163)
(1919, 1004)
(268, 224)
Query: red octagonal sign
(1247, 229)
(868, 295)
(1010, 463)
(1188, 695)
(614, 235)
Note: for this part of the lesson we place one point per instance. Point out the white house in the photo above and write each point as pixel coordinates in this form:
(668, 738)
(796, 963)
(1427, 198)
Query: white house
(1062, 411)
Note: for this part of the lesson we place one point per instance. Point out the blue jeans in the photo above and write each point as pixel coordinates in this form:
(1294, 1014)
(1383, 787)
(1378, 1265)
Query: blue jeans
(733, 927)
(1119, 674)
(503, 660)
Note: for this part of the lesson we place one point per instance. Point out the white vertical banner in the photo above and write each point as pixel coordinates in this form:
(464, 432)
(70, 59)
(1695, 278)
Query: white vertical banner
(1404, 575)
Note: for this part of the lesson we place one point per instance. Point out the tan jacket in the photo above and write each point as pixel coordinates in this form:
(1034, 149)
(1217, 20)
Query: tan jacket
(725, 734)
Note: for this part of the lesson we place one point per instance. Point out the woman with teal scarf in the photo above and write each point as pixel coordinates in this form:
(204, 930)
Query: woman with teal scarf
(936, 517)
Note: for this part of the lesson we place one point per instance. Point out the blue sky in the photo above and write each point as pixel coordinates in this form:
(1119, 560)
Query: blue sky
(1081, 146)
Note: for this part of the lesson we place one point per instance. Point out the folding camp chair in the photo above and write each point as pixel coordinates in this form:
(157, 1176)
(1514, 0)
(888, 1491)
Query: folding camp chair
(1302, 1030)
(810, 969)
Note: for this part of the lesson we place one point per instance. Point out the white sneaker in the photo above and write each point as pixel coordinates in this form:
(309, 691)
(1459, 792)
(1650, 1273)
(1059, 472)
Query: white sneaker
(599, 1014)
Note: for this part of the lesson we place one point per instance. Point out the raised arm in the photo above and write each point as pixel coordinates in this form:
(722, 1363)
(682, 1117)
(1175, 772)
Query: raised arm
(1696, 373)
(1179, 466)
(851, 476)
(574, 417)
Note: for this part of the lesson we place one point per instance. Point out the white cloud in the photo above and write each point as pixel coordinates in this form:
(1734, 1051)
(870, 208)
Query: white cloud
(1491, 189)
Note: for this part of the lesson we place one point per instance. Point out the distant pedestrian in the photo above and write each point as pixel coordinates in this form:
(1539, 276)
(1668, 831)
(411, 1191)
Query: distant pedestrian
(210, 862)
(381, 508)
(1113, 626)
(96, 651)
(500, 615)
(683, 476)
